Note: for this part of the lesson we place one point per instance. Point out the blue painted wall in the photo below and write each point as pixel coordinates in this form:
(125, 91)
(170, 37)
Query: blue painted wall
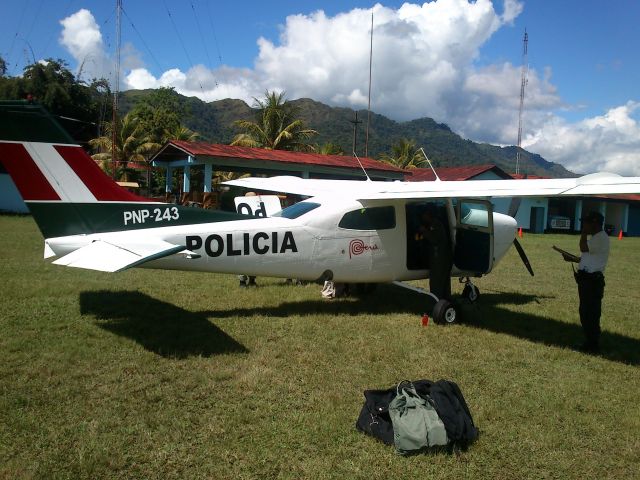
(10, 199)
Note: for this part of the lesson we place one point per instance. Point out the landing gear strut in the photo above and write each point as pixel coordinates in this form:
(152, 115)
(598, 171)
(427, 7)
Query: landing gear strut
(470, 291)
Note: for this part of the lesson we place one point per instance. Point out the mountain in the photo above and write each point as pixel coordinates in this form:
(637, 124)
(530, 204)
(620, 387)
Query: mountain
(214, 122)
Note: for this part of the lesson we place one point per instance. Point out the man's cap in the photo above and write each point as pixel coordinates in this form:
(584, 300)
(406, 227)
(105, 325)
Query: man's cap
(593, 217)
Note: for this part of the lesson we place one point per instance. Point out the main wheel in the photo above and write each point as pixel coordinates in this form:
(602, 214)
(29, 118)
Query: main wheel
(471, 293)
(445, 312)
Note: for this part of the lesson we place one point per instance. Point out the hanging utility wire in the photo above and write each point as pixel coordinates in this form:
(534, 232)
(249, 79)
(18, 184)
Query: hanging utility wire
(153, 57)
(107, 36)
(54, 30)
(15, 37)
(26, 38)
(186, 53)
(204, 43)
(213, 31)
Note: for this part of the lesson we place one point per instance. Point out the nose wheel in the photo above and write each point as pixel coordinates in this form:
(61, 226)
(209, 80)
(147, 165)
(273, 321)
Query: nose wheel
(444, 312)
(470, 291)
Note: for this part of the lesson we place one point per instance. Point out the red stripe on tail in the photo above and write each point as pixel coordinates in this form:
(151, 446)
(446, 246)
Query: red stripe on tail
(102, 187)
(24, 172)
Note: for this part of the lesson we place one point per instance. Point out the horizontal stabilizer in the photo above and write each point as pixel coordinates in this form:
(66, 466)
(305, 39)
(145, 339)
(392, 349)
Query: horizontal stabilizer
(48, 251)
(109, 257)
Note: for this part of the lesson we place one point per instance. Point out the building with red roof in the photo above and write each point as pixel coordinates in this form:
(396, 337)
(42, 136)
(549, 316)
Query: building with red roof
(203, 159)
(470, 172)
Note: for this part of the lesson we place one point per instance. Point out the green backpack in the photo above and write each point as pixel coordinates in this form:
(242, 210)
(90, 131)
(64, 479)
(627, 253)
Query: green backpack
(416, 423)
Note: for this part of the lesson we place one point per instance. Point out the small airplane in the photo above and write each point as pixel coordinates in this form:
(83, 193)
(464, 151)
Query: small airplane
(347, 231)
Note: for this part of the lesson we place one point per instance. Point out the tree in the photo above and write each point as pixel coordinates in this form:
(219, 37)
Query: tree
(404, 154)
(52, 84)
(276, 126)
(132, 146)
(180, 132)
(330, 149)
(3, 67)
(158, 113)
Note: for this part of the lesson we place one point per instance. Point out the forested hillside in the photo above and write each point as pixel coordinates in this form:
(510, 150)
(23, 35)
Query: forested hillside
(214, 122)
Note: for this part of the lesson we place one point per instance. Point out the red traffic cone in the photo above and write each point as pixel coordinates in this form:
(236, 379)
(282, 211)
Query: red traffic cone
(620, 235)
(425, 319)
(520, 232)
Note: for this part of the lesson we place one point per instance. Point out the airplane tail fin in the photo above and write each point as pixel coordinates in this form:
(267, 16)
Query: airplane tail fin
(65, 190)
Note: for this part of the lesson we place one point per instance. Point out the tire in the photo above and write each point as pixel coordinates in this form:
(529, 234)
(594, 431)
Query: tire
(468, 293)
(445, 312)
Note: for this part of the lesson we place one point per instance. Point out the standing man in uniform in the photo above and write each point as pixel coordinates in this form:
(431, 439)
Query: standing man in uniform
(437, 250)
(590, 277)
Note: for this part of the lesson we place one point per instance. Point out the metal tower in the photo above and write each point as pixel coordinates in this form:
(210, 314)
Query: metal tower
(523, 84)
(116, 91)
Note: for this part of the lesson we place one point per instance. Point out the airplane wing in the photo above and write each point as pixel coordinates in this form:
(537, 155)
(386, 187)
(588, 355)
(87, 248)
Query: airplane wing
(110, 257)
(593, 184)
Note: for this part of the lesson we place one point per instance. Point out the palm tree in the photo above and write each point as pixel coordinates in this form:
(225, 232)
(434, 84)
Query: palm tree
(330, 149)
(276, 127)
(132, 146)
(180, 132)
(404, 154)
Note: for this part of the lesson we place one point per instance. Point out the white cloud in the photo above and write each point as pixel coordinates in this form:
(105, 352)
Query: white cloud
(610, 142)
(423, 55)
(81, 36)
(424, 65)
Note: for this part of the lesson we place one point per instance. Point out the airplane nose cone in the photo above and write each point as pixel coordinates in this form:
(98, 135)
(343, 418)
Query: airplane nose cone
(504, 231)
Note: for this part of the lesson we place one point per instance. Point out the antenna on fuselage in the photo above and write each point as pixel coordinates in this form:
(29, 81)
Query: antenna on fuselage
(360, 163)
(429, 162)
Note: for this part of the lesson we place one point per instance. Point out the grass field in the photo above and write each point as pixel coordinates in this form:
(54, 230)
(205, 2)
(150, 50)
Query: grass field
(153, 374)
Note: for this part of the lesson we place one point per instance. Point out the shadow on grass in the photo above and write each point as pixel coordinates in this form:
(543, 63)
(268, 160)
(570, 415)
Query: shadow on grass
(386, 299)
(488, 314)
(158, 326)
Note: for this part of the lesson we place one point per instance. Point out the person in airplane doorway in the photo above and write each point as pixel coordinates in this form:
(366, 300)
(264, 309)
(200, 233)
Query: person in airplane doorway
(437, 250)
(590, 277)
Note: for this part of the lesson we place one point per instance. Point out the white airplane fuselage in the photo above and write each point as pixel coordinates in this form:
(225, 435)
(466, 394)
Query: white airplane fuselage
(311, 246)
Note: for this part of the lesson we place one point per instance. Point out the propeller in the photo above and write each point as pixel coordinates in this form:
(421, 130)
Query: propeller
(514, 206)
(513, 210)
(523, 256)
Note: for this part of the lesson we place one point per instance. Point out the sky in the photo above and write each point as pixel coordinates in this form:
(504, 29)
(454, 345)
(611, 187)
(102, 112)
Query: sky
(456, 61)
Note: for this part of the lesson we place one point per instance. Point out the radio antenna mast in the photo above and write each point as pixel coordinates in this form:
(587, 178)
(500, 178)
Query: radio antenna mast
(361, 166)
(430, 165)
(114, 119)
(366, 141)
(523, 84)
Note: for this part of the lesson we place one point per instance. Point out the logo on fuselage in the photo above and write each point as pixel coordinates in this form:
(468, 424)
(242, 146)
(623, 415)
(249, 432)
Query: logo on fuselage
(357, 247)
(260, 243)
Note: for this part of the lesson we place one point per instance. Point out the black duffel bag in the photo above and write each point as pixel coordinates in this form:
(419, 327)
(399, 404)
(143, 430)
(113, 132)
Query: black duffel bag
(446, 398)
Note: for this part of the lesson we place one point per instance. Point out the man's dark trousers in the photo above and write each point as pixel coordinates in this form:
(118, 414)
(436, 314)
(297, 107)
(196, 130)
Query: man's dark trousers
(590, 292)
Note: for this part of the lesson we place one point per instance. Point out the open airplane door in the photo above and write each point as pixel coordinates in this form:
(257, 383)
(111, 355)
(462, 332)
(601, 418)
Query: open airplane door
(474, 236)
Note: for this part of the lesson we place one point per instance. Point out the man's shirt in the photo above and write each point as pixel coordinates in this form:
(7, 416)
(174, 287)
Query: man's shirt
(595, 260)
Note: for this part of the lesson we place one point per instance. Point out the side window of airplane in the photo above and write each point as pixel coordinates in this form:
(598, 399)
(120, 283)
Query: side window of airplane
(297, 210)
(374, 218)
